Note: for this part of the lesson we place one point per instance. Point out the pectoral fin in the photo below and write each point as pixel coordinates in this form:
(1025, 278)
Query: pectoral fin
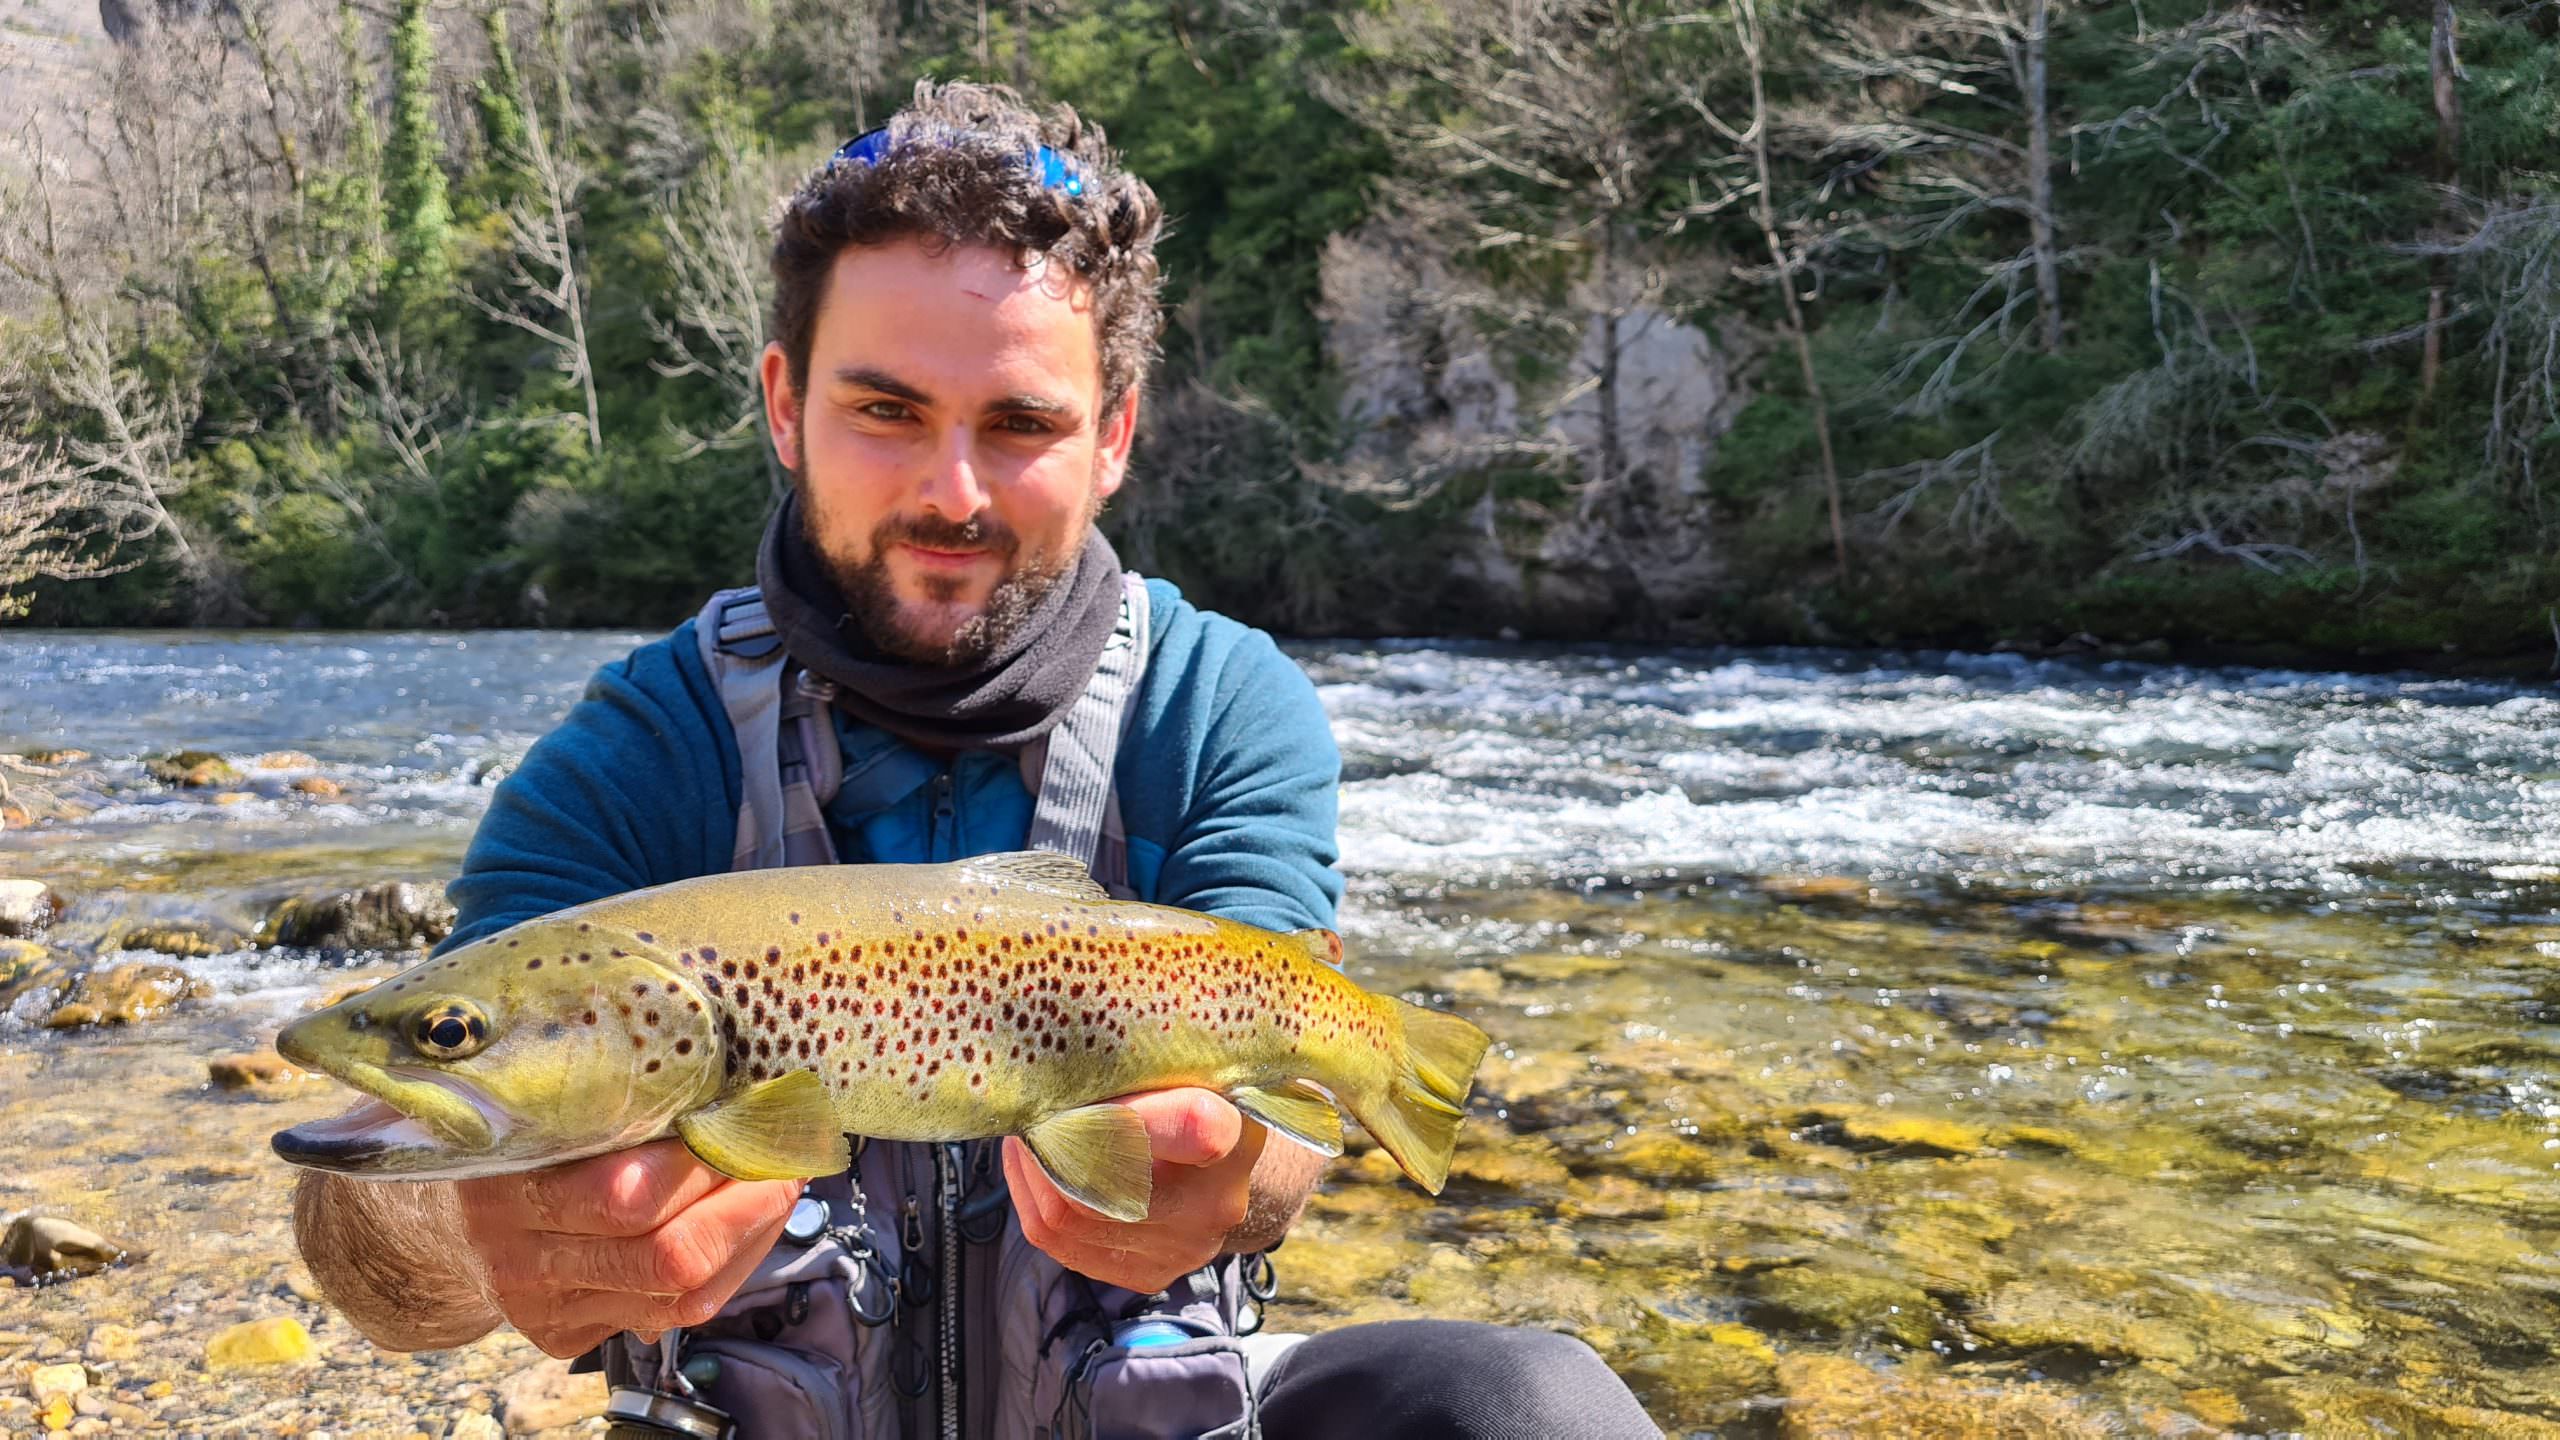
(1098, 1156)
(779, 1129)
(1295, 1109)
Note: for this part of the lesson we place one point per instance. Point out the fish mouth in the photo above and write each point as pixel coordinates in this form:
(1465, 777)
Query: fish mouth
(410, 1114)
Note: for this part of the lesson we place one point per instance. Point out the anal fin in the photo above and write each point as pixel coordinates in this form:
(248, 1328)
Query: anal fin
(779, 1129)
(1098, 1156)
(1295, 1109)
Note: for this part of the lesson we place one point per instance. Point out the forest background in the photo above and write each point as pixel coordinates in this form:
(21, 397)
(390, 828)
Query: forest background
(2172, 326)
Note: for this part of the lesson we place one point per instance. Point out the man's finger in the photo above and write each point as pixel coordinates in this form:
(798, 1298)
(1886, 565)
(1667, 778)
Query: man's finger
(629, 1192)
(1188, 1126)
(618, 1310)
(686, 1253)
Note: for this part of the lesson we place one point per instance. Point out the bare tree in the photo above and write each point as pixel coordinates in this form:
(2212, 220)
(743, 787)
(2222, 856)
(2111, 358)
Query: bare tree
(545, 269)
(52, 526)
(129, 443)
(714, 219)
(1761, 189)
(2443, 69)
(1940, 175)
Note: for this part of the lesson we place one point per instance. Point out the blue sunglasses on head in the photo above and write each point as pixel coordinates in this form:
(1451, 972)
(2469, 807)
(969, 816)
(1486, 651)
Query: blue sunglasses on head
(1056, 171)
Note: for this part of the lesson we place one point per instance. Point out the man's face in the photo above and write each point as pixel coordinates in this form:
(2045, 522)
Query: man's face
(949, 450)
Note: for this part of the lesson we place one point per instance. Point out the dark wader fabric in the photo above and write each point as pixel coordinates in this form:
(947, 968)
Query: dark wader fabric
(922, 1313)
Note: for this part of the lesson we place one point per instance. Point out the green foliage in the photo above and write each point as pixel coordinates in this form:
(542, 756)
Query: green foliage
(2229, 448)
(420, 216)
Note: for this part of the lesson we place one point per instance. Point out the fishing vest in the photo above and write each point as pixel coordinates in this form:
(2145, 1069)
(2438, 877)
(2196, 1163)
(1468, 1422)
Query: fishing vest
(903, 1302)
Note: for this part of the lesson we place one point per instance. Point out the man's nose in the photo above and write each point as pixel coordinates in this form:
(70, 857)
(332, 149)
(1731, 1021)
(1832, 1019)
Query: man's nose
(952, 488)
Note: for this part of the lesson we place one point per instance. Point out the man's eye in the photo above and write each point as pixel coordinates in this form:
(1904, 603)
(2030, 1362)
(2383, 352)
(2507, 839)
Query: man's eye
(884, 410)
(1023, 425)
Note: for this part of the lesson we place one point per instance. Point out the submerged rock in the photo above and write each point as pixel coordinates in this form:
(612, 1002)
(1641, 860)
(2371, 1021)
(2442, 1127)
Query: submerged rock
(40, 1248)
(126, 994)
(24, 965)
(26, 906)
(389, 916)
(185, 939)
(276, 1340)
(253, 1070)
(547, 1396)
(1824, 1300)
(192, 770)
(319, 786)
(1830, 1395)
(2028, 1318)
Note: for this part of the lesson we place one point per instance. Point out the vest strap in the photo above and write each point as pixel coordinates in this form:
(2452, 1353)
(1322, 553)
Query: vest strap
(1074, 783)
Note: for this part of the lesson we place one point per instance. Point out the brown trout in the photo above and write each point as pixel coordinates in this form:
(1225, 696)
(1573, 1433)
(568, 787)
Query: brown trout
(765, 1015)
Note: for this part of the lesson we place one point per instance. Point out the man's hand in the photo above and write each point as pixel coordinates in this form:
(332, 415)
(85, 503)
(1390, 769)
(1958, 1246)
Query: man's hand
(641, 1240)
(1205, 1152)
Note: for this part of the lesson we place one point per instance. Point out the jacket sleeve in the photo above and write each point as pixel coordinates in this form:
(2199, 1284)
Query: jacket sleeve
(637, 787)
(1256, 840)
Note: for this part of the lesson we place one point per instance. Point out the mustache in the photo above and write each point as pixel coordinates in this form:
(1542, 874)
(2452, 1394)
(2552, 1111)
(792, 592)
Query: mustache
(978, 532)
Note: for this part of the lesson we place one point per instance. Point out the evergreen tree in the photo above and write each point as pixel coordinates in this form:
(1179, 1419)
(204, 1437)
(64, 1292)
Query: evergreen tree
(502, 119)
(421, 217)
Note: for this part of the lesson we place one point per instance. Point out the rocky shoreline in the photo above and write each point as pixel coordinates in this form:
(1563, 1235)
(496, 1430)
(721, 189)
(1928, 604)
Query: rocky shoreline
(1801, 1155)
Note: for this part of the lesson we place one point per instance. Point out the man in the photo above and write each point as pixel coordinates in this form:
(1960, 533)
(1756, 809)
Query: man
(965, 307)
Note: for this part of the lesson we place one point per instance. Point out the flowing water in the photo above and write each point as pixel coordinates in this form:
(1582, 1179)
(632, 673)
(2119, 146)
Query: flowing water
(1885, 1044)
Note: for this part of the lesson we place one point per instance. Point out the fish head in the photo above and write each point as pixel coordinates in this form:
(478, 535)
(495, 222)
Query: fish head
(552, 1041)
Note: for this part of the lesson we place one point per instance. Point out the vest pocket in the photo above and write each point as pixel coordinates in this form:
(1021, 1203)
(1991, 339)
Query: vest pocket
(777, 1390)
(1195, 1389)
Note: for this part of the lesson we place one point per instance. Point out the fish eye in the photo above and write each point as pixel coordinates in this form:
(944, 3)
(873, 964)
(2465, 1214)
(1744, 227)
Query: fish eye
(449, 1030)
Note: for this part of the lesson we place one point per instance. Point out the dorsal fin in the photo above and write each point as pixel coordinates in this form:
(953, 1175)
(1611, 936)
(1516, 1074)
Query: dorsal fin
(1042, 870)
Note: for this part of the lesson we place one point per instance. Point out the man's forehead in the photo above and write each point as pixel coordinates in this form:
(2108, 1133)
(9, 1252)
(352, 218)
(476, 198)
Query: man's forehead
(992, 274)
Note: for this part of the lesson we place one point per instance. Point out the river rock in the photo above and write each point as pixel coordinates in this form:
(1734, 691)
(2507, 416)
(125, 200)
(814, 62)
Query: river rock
(26, 906)
(1823, 1300)
(42, 1247)
(253, 1070)
(192, 770)
(1830, 1395)
(285, 760)
(476, 1426)
(125, 994)
(388, 916)
(185, 939)
(24, 964)
(319, 787)
(276, 1340)
(56, 1382)
(546, 1396)
(113, 1345)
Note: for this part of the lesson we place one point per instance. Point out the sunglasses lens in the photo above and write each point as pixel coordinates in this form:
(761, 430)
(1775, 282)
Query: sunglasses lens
(871, 146)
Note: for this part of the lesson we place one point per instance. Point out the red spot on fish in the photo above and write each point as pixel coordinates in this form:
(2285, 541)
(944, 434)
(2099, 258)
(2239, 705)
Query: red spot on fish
(685, 1046)
(590, 1017)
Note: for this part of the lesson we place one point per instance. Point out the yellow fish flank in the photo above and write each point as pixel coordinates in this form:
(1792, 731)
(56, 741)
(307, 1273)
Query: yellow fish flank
(764, 1015)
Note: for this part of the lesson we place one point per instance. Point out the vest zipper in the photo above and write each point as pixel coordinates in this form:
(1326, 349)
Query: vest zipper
(946, 827)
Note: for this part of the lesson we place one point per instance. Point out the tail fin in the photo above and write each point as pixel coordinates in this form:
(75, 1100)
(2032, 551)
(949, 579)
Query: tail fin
(1427, 1097)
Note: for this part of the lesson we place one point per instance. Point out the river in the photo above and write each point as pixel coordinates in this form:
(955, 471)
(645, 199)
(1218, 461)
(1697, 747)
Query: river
(1886, 1044)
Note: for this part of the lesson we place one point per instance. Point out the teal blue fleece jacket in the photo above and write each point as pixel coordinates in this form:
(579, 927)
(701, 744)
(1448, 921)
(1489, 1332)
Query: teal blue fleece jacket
(1226, 777)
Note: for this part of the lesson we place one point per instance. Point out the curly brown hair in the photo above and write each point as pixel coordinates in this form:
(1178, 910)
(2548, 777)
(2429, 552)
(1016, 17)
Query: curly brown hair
(958, 168)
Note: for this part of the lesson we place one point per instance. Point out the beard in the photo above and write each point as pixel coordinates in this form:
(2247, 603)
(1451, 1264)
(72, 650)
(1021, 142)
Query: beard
(874, 605)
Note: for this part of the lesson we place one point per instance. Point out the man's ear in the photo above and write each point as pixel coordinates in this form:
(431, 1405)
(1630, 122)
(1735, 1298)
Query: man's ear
(781, 405)
(1118, 433)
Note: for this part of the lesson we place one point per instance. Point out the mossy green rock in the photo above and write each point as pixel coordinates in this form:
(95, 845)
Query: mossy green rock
(1824, 1300)
(2030, 1317)
(126, 994)
(192, 770)
(393, 915)
(183, 939)
(1831, 1397)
